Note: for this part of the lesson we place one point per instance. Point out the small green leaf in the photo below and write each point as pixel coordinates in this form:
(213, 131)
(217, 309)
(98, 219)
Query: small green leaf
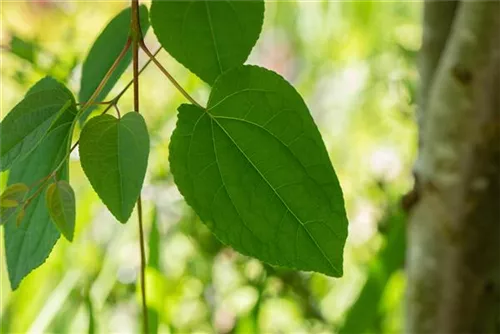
(29, 242)
(62, 208)
(13, 194)
(208, 37)
(31, 119)
(10, 199)
(255, 169)
(24, 49)
(114, 156)
(103, 53)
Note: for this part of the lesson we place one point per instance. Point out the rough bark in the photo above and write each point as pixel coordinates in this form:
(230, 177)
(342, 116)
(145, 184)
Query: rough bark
(438, 18)
(454, 228)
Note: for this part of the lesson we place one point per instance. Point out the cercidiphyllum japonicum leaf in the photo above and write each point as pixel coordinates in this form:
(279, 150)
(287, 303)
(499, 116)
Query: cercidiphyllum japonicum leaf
(10, 200)
(255, 169)
(114, 156)
(208, 37)
(31, 119)
(103, 54)
(29, 242)
(60, 199)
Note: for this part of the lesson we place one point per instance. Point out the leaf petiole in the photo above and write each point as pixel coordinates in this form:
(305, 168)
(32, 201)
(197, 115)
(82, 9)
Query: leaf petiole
(103, 82)
(120, 94)
(95, 103)
(168, 75)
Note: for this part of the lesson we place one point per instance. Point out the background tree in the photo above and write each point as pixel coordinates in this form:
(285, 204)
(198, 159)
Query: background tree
(453, 261)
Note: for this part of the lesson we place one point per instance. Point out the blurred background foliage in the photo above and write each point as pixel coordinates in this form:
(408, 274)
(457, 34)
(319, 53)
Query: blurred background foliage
(354, 62)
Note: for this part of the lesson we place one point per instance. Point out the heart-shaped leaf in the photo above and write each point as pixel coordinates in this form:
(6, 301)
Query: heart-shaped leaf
(208, 37)
(114, 156)
(10, 199)
(60, 199)
(255, 169)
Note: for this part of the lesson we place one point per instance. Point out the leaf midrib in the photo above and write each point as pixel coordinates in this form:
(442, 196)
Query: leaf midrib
(118, 160)
(272, 188)
(304, 168)
(216, 49)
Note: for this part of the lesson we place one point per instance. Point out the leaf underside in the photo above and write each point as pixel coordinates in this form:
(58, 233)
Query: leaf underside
(114, 156)
(208, 37)
(103, 53)
(255, 169)
(28, 245)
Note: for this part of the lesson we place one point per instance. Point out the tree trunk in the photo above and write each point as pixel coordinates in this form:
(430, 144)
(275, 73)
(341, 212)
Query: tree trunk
(453, 258)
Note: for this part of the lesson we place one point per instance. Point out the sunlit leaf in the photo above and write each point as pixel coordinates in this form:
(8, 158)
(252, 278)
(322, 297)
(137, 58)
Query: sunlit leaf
(208, 37)
(103, 54)
(10, 199)
(114, 156)
(255, 169)
(31, 119)
(60, 199)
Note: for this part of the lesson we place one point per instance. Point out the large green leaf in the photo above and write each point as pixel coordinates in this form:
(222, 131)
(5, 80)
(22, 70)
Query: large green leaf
(103, 54)
(208, 37)
(31, 119)
(255, 169)
(114, 156)
(62, 207)
(28, 245)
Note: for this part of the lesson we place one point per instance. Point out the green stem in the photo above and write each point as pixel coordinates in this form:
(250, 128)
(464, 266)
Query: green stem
(136, 35)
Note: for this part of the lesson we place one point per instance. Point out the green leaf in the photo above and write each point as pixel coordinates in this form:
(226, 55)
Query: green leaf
(103, 54)
(114, 156)
(29, 245)
(24, 49)
(208, 37)
(10, 200)
(31, 119)
(255, 169)
(62, 208)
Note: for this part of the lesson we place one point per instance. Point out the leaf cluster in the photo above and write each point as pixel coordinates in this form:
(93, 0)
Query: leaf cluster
(252, 163)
